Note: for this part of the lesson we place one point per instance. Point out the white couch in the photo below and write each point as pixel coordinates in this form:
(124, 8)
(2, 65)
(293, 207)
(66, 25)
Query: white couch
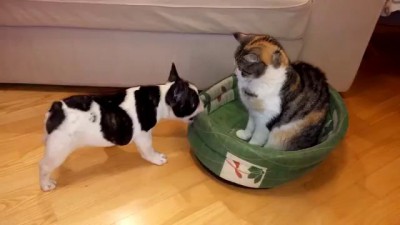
(131, 42)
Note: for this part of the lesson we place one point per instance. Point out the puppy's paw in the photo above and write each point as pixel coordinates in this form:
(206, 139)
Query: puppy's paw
(243, 134)
(48, 185)
(157, 158)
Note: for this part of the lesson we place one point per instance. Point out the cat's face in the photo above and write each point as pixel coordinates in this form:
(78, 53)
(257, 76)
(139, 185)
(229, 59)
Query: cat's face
(183, 97)
(256, 53)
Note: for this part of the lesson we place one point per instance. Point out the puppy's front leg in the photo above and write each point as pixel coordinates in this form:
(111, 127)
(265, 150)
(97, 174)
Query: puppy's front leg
(144, 143)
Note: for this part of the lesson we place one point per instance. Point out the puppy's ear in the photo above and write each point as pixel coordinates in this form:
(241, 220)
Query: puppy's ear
(173, 74)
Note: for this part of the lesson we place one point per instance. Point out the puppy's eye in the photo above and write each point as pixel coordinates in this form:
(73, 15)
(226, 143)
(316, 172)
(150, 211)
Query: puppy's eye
(191, 118)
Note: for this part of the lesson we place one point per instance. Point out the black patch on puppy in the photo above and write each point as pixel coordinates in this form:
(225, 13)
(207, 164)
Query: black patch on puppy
(112, 100)
(93, 118)
(81, 102)
(55, 118)
(147, 100)
(116, 125)
(180, 97)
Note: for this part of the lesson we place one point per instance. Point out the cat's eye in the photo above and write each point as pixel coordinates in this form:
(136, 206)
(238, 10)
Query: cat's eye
(245, 73)
(251, 58)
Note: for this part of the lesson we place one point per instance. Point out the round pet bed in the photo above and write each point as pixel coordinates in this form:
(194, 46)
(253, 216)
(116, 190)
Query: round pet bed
(214, 142)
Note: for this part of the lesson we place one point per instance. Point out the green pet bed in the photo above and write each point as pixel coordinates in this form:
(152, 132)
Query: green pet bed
(214, 142)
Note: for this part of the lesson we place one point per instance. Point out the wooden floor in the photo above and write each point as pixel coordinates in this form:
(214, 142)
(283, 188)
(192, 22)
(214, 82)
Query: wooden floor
(359, 183)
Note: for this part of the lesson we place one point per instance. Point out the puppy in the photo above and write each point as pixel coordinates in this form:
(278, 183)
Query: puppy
(118, 119)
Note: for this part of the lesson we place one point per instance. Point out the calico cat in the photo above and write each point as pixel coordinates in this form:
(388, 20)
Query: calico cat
(287, 102)
(117, 119)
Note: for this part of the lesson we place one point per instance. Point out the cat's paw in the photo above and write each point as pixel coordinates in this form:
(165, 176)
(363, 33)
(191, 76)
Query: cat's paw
(48, 184)
(243, 134)
(157, 158)
(256, 141)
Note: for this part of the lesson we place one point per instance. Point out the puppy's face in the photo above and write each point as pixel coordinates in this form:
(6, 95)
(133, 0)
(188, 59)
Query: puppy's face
(183, 97)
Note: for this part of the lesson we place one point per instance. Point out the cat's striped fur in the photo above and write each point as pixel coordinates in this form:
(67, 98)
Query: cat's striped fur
(287, 102)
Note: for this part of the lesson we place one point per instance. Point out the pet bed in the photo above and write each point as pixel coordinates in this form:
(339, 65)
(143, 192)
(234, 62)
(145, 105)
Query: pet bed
(214, 142)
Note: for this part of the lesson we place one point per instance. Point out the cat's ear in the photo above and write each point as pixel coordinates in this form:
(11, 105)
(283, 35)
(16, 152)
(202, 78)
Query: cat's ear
(173, 74)
(242, 38)
(252, 58)
(276, 59)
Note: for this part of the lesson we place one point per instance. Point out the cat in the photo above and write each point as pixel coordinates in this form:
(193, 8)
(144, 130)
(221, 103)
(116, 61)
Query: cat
(117, 119)
(287, 102)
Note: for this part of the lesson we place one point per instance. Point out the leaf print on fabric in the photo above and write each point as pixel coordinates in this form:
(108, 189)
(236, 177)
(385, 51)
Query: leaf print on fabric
(223, 90)
(255, 173)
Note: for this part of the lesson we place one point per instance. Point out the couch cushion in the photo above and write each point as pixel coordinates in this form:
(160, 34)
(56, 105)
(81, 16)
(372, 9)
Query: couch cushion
(280, 18)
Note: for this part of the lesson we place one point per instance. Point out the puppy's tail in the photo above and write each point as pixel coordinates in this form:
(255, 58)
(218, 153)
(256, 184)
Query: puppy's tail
(54, 117)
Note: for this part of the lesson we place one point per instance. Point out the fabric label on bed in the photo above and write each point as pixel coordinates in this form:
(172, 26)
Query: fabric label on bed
(242, 172)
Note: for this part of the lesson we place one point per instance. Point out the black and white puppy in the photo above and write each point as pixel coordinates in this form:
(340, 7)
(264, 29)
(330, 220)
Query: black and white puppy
(117, 119)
